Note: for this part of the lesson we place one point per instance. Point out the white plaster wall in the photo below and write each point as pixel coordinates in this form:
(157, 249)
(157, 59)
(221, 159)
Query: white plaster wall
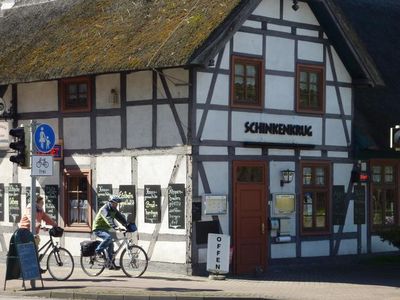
(268, 8)
(252, 24)
(202, 255)
(338, 154)
(335, 135)
(302, 15)
(37, 96)
(279, 54)
(225, 62)
(205, 150)
(348, 247)
(280, 152)
(177, 81)
(108, 132)
(306, 32)
(332, 102)
(240, 118)
(249, 43)
(342, 174)
(308, 153)
(341, 71)
(203, 86)
(6, 167)
(220, 95)
(216, 125)
(279, 92)
(139, 86)
(280, 28)
(248, 151)
(167, 130)
(310, 51)
(77, 133)
(328, 69)
(139, 126)
(176, 252)
(315, 248)
(104, 85)
(285, 250)
(115, 170)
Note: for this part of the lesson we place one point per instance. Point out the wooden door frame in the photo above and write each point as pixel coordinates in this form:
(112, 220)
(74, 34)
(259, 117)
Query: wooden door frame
(235, 164)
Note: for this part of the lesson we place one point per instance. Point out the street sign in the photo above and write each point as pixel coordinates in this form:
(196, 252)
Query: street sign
(218, 250)
(44, 138)
(42, 165)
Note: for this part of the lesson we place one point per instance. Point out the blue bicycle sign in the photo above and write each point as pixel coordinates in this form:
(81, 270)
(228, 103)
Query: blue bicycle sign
(44, 138)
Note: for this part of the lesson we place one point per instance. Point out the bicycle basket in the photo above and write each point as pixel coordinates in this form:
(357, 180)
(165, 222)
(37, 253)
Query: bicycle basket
(131, 227)
(88, 248)
(56, 231)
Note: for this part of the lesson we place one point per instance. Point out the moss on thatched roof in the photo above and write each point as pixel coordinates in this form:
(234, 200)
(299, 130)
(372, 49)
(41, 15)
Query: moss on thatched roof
(68, 38)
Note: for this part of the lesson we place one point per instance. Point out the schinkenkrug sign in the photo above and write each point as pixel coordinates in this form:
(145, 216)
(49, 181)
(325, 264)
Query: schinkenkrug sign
(278, 128)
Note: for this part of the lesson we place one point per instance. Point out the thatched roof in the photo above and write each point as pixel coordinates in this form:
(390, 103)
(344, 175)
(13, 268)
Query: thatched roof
(68, 38)
(377, 23)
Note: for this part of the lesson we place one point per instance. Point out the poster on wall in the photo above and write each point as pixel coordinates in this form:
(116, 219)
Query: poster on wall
(152, 203)
(1, 202)
(103, 194)
(128, 204)
(338, 205)
(14, 202)
(28, 194)
(51, 201)
(176, 206)
(359, 204)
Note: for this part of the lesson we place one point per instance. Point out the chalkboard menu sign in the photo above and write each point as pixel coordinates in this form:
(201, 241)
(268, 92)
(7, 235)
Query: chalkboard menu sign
(152, 203)
(103, 194)
(338, 205)
(128, 204)
(28, 193)
(359, 204)
(28, 261)
(176, 206)
(196, 211)
(51, 198)
(14, 202)
(1, 202)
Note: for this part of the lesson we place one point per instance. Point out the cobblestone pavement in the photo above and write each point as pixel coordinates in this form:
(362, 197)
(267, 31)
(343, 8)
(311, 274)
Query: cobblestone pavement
(361, 279)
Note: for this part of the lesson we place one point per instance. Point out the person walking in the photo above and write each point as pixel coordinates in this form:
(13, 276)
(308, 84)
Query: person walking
(103, 223)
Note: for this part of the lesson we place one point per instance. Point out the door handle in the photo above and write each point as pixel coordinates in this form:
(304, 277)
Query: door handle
(262, 228)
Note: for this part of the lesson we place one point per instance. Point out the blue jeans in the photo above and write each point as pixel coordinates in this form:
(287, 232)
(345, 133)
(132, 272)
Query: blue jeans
(106, 244)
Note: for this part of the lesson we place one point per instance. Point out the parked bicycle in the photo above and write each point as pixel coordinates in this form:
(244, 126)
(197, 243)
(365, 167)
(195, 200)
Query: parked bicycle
(133, 259)
(60, 262)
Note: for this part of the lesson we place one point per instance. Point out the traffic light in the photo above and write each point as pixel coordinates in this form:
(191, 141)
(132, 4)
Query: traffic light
(19, 145)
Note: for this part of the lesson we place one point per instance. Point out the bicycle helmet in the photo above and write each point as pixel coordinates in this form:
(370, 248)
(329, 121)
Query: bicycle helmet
(56, 231)
(115, 199)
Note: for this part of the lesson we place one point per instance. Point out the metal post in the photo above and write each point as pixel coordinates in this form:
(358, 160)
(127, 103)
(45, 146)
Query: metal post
(33, 190)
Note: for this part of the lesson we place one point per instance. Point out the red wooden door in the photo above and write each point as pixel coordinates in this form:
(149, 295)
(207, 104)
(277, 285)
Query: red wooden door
(250, 216)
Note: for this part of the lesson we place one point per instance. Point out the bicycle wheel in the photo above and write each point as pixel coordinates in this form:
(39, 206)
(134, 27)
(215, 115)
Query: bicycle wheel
(134, 261)
(93, 265)
(60, 264)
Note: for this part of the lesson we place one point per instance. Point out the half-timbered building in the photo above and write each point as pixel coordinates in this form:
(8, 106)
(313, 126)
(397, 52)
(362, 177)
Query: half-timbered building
(232, 117)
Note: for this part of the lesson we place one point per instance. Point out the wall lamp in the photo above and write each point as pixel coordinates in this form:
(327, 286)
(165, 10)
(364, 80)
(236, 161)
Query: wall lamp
(114, 97)
(286, 176)
(295, 5)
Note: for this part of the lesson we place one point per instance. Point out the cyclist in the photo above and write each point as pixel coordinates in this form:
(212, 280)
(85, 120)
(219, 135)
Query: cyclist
(103, 223)
(40, 216)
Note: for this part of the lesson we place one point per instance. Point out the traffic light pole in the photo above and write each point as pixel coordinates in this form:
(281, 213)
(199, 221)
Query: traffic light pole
(33, 190)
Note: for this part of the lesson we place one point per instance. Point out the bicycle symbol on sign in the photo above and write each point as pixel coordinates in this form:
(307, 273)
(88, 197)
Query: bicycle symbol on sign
(42, 162)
